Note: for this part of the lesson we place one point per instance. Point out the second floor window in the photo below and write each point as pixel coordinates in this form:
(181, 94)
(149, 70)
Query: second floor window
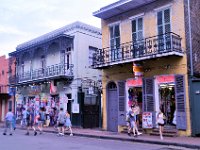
(137, 29)
(43, 63)
(163, 21)
(164, 26)
(92, 52)
(114, 41)
(22, 69)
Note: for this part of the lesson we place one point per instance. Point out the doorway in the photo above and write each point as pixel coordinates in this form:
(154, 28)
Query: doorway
(3, 110)
(167, 102)
(135, 95)
(112, 107)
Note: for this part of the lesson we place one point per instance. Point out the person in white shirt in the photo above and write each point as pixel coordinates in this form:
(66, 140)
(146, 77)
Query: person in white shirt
(161, 123)
(8, 122)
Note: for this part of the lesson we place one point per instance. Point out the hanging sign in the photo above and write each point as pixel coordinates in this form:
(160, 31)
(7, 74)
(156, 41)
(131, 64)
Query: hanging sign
(137, 70)
(147, 120)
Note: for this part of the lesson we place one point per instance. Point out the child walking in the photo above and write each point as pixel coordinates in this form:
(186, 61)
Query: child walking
(68, 123)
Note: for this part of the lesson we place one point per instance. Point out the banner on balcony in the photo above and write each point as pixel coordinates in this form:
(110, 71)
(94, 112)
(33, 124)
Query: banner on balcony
(53, 88)
(137, 70)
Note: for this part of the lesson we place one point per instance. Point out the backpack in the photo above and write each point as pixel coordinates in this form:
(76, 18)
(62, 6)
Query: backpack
(42, 117)
(28, 115)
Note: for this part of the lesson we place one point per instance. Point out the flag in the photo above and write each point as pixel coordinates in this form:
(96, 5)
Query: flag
(53, 88)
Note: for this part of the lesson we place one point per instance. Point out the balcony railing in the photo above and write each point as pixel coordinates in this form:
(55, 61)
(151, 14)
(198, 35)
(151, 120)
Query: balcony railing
(58, 70)
(3, 89)
(152, 47)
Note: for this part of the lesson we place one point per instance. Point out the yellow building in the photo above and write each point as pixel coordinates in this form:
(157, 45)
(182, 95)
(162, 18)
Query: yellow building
(144, 60)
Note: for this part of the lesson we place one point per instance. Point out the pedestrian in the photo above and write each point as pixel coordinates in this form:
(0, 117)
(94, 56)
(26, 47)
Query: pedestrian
(14, 122)
(8, 122)
(160, 122)
(68, 123)
(30, 121)
(132, 121)
(137, 113)
(61, 122)
(23, 121)
(41, 119)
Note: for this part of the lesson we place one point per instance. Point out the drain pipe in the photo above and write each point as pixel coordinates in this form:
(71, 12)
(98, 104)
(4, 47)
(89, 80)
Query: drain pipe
(190, 41)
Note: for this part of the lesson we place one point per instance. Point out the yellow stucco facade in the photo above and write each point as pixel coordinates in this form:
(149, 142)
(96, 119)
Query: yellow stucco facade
(178, 65)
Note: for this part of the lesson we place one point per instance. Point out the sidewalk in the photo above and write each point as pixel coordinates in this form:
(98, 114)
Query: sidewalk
(187, 142)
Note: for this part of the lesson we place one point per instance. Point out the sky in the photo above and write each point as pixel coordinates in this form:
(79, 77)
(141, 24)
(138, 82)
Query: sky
(23, 20)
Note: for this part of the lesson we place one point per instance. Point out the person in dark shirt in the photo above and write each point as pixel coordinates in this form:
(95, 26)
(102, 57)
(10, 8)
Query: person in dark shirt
(30, 121)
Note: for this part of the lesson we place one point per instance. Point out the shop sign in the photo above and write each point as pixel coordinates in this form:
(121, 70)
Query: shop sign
(147, 120)
(19, 98)
(75, 108)
(134, 82)
(44, 97)
(138, 70)
(34, 90)
(165, 79)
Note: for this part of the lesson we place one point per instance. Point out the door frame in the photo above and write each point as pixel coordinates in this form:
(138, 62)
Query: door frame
(107, 101)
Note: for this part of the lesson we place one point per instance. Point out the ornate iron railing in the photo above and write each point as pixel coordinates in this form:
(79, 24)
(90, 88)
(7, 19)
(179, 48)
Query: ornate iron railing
(57, 70)
(152, 46)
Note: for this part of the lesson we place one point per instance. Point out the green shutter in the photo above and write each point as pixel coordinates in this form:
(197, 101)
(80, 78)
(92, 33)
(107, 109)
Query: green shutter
(121, 103)
(181, 122)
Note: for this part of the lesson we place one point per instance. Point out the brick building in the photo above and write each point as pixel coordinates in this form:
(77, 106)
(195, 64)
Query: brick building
(6, 99)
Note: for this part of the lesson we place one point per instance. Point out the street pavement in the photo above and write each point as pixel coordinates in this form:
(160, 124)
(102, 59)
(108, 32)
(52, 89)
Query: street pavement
(184, 142)
(50, 141)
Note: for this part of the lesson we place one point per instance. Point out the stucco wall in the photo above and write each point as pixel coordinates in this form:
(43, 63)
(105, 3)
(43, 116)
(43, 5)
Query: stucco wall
(178, 65)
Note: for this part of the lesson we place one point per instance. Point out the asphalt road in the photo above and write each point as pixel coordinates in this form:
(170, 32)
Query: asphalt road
(50, 141)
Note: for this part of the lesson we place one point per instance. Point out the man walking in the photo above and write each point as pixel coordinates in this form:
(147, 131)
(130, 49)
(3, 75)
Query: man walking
(30, 121)
(61, 122)
(8, 122)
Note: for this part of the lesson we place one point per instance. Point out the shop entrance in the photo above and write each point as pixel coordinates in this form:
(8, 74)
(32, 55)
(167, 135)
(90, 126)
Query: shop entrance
(167, 102)
(135, 95)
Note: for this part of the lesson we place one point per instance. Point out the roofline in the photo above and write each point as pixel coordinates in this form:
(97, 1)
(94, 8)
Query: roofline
(59, 31)
(38, 43)
(116, 6)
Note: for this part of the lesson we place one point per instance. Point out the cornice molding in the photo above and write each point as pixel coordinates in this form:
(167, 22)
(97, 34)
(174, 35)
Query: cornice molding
(61, 31)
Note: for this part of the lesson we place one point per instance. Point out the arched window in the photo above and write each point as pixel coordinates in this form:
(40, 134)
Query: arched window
(112, 85)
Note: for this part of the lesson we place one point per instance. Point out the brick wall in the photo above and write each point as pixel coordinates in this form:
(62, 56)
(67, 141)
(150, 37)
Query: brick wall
(195, 34)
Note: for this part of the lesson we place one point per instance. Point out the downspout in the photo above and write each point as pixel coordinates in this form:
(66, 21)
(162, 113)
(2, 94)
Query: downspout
(190, 41)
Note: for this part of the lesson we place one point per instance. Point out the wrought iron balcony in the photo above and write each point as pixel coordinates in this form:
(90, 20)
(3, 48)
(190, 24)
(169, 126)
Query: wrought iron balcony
(3, 89)
(167, 44)
(54, 71)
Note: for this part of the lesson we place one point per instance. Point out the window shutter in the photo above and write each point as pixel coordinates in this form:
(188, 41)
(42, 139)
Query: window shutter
(121, 103)
(148, 98)
(181, 122)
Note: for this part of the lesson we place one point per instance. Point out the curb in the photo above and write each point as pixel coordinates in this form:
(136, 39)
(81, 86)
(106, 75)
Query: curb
(130, 140)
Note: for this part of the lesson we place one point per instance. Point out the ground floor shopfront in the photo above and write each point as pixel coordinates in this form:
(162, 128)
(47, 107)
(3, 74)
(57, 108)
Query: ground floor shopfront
(166, 91)
(52, 97)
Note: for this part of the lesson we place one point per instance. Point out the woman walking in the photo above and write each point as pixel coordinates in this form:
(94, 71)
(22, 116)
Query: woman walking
(68, 123)
(161, 123)
(132, 119)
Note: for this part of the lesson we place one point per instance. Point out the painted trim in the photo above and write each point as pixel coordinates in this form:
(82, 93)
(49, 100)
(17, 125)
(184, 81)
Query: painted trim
(114, 23)
(163, 7)
(136, 16)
